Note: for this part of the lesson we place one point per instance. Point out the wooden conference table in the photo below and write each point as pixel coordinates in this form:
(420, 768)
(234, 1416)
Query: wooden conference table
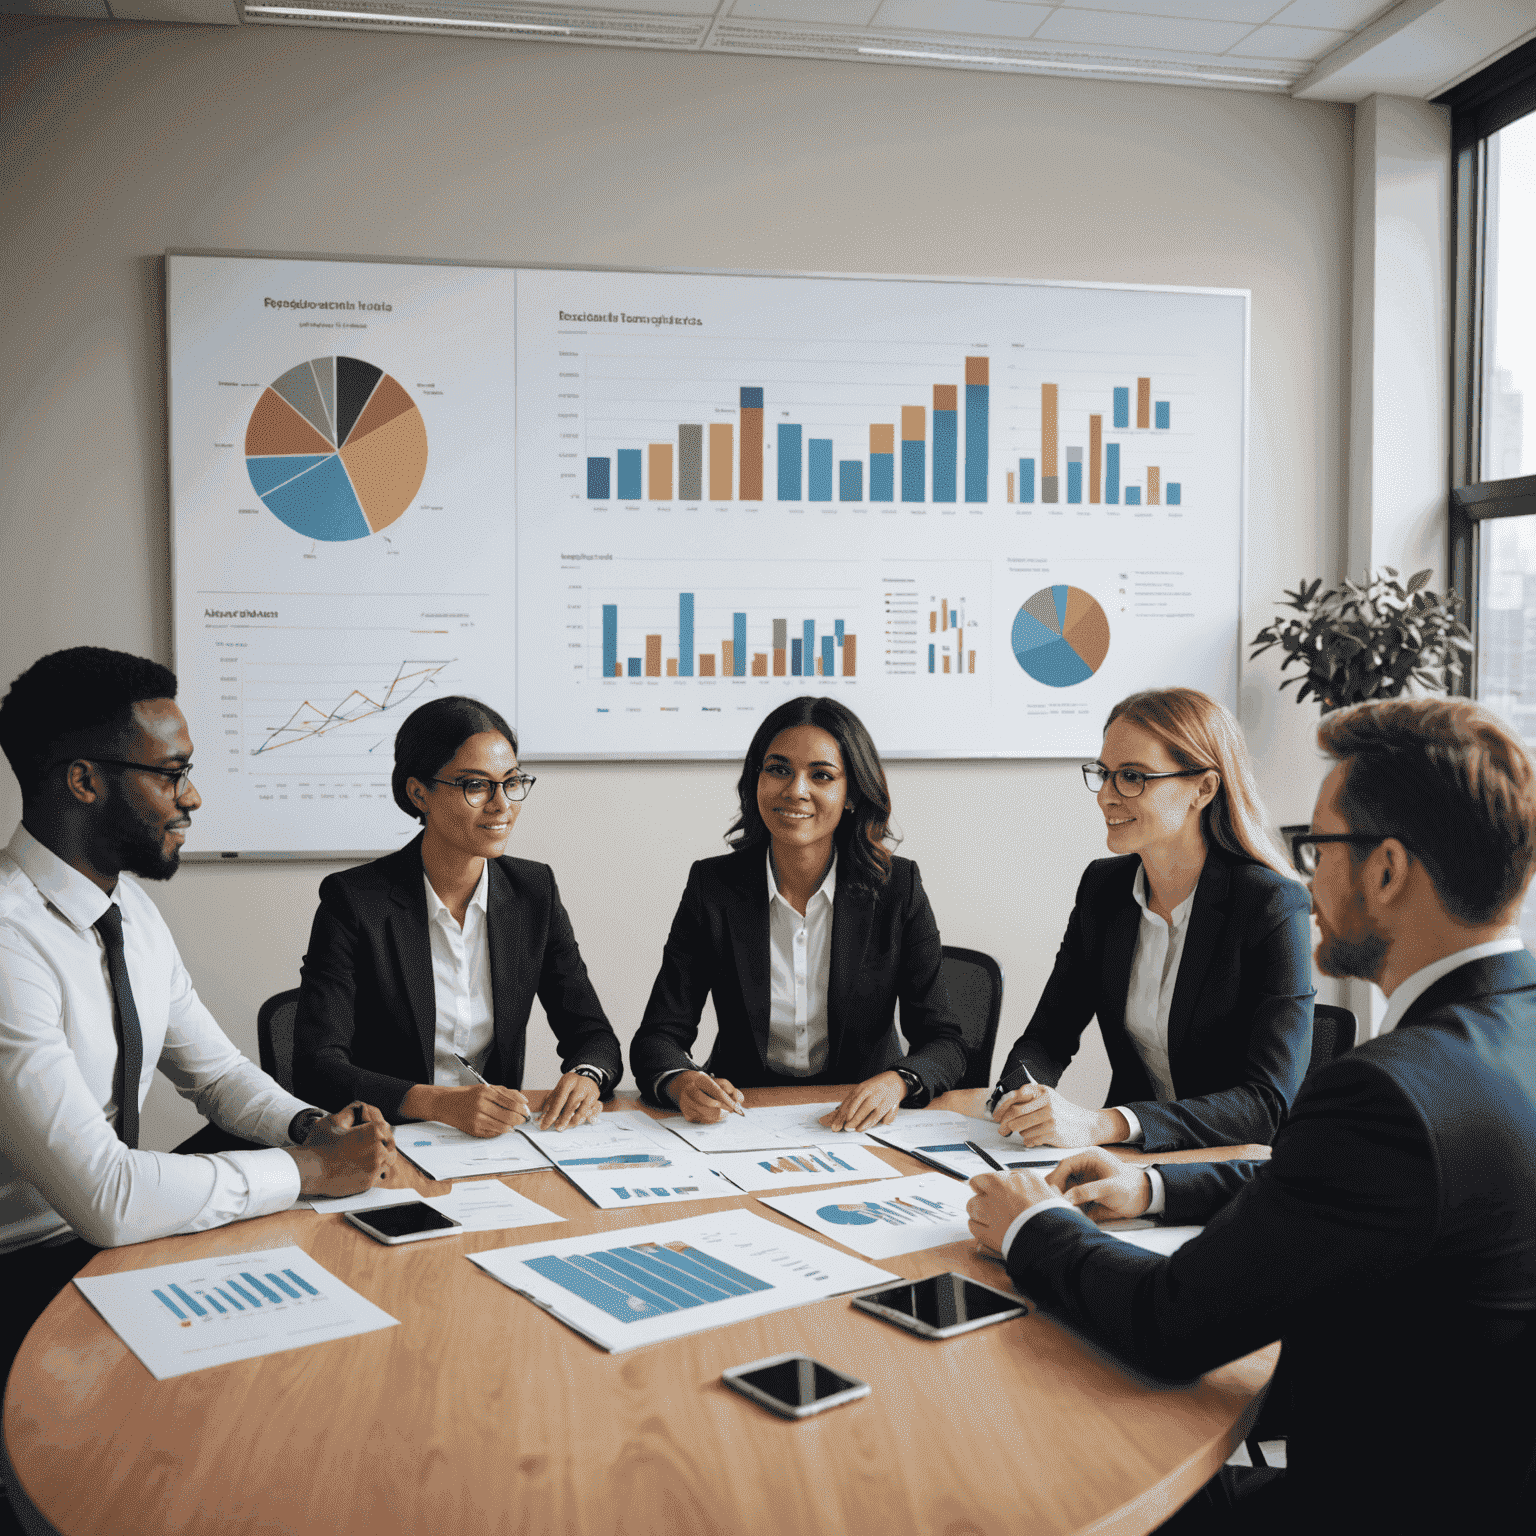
(483, 1414)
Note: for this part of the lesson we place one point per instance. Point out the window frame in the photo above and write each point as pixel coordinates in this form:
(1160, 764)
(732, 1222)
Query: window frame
(1500, 95)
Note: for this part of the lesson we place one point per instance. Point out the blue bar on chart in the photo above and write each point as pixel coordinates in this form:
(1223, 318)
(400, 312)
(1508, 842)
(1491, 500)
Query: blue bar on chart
(1133, 495)
(1074, 474)
(828, 662)
(267, 1293)
(930, 658)
(914, 452)
(231, 1300)
(597, 479)
(1026, 479)
(610, 639)
(283, 1285)
(882, 463)
(629, 474)
(789, 462)
(837, 629)
(946, 443)
(1160, 414)
(243, 1294)
(633, 663)
(850, 480)
(172, 1305)
(739, 635)
(1112, 474)
(1173, 493)
(214, 1302)
(685, 634)
(1122, 410)
(819, 469)
(808, 631)
(977, 393)
(795, 664)
(197, 1311)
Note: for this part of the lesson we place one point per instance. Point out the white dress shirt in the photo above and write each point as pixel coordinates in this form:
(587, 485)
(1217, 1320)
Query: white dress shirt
(62, 1165)
(461, 985)
(799, 967)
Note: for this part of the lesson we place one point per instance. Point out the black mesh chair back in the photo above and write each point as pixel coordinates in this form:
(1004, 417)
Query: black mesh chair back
(1334, 1031)
(274, 1035)
(975, 984)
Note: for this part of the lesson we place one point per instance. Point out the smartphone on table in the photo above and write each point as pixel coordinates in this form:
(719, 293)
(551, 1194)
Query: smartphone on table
(793, 1385)
(942, 1305)
(408, 1222)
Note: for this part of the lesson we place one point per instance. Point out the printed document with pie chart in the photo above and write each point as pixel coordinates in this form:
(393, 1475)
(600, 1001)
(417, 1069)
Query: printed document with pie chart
(343, 460)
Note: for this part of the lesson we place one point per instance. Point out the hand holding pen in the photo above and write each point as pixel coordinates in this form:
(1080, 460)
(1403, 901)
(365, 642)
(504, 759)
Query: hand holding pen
(702, 1098)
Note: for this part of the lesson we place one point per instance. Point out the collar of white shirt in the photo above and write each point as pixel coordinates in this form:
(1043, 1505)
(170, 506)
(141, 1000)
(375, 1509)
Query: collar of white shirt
(1412, 988)
(437, 911)
(82, 901)
(1180, 913)
(827, 888)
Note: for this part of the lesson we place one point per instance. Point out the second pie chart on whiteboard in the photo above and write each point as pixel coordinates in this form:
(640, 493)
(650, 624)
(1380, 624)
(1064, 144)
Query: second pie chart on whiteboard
(1060, 636)
(336, 449)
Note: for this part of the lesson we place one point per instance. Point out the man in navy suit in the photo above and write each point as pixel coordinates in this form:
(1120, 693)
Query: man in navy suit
(1390, 1241)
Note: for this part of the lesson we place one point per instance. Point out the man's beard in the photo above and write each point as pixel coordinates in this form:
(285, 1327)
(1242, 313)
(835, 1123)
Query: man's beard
(127, 841)
(1363, 957)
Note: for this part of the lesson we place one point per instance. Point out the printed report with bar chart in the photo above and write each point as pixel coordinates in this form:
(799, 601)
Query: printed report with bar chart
(633, 511)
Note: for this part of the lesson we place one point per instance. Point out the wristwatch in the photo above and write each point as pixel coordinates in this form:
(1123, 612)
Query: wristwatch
(302, 1124)
(595, 1073)
(911, 1079)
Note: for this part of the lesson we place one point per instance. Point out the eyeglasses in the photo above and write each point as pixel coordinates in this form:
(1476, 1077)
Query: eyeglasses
(1304, 846)
(1130, 782)
(181, 777)
(478, 791)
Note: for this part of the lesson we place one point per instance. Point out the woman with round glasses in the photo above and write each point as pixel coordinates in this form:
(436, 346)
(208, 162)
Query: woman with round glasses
(1192, 946)
(423, 965)
(808, 936)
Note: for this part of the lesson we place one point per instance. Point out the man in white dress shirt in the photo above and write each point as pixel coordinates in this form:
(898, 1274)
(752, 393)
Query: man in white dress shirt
(94, 996)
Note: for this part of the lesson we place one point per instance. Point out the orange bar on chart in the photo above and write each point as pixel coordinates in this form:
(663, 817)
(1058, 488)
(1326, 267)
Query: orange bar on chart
(618, 669)
(1095, 455)
(653, 655)
(1010, 485)
(946, 663)
(933, 622)
(780, 664)
(977, 370)
(660, 488)
(913, 423)
(727, 658)
(671, 666)
(1154, 485)
(946, 397)
(973, 662)
(721, 434)
(1048, 474)
(943, 613)
(882, 439)
(1143, 402)
(759, 664)
(751, 444)
(850, 654)
(706, 664)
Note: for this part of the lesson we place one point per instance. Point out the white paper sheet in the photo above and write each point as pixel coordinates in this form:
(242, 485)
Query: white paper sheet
(940, 1139)
(798, 1167)
(339, 1204)
(644, 1285)
(445, 1152)
(625, 1159)
(1154, 1239)
(179, 1318)
(782, 1125)
(926, 1210)
(478, 1205)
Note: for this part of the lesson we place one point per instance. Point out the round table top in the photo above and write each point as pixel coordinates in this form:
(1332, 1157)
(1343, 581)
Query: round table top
(481, 1413)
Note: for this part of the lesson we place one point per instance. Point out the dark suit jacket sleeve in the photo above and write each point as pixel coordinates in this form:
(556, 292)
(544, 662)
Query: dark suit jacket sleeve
(323, 1069)
(1350, 1194)
(1069, 1001)
(1277, 956)
(581, 1027)
(935, 1041)
(671, 1021)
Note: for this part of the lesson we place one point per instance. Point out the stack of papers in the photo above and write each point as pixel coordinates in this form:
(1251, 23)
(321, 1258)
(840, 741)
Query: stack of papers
(782, 1125)
(926, 1210)
(481, 1205)
(624, 1159)
(445, 1152)
(795, 1167)
(939, 1138)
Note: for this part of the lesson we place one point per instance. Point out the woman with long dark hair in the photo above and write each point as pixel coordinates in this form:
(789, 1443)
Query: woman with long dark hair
(423, 966)
(1192, 947)
(808, 935)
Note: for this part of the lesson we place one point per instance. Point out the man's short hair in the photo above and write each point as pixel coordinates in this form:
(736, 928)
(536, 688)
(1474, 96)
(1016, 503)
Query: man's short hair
(1450, 782)
(72, 703)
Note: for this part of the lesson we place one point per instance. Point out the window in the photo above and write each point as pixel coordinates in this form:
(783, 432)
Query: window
(1493, 469)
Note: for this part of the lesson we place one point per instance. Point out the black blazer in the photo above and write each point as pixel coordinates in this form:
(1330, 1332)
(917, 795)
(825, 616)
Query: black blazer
(1390, 1242)
(885, 950)
(1240, 1027)
(367, 1018)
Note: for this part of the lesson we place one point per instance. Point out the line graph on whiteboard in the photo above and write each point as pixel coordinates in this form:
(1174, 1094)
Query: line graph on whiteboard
(327, 703)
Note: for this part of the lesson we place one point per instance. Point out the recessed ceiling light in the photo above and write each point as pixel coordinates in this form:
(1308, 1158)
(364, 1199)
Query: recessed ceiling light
(422, 21)
(1053, 65)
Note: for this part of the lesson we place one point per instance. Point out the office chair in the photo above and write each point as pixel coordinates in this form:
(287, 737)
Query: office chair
(274, 1035)
(975, 983)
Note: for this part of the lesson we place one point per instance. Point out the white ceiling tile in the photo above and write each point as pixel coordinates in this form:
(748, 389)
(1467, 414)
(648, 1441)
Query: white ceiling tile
(1332, 15)
(1117, 28)
(1251, 12)
(848, 13)
(990, 18)
(1288, 43)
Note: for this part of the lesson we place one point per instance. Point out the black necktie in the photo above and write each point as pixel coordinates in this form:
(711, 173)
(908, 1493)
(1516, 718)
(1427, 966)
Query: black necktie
(130, 1043)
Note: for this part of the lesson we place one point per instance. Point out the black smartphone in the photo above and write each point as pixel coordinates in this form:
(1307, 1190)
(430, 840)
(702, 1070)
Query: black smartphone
(795, 1386)
(406, 1223)
(942, 1305)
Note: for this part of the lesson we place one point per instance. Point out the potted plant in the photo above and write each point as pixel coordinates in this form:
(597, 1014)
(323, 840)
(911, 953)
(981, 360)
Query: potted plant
(1369, 639)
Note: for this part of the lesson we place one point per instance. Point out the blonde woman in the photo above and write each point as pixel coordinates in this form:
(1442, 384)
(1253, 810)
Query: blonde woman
(1192, 946)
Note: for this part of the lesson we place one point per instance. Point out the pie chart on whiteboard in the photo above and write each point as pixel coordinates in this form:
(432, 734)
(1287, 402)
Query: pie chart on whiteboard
(336, 449)
(1060, 636)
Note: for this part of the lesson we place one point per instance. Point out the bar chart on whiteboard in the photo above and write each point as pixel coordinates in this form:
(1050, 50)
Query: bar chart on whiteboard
(977, 513)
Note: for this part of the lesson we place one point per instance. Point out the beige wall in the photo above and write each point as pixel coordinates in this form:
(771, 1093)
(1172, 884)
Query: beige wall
(123, 140)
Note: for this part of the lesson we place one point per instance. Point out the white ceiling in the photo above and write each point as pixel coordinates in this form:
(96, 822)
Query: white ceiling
(1341, 50)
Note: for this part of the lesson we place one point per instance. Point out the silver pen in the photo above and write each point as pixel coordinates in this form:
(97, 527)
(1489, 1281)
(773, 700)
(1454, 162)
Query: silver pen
(463, 1063)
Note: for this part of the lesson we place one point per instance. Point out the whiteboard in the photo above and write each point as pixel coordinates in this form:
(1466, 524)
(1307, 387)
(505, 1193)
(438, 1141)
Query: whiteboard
(635, 510)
